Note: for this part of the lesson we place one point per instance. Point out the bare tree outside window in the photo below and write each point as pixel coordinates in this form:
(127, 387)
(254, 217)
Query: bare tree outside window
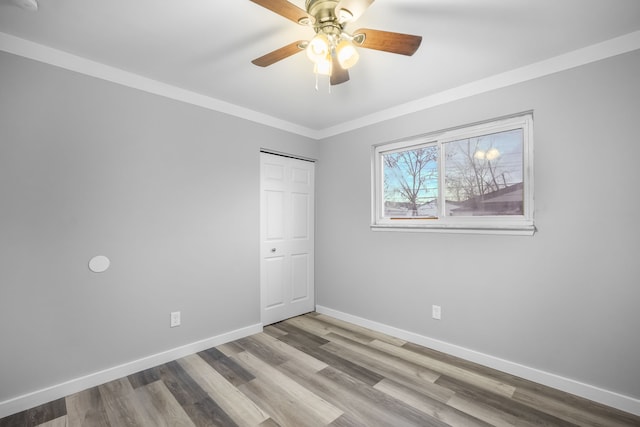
(483, 174)
(410, 181)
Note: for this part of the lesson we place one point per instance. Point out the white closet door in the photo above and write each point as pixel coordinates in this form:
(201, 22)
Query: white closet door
(286, 237)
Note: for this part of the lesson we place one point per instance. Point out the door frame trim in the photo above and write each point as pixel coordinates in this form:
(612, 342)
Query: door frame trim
(290, 156)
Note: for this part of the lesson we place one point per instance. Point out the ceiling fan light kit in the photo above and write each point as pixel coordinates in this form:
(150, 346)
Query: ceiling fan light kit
(322, 48)
(333, 50)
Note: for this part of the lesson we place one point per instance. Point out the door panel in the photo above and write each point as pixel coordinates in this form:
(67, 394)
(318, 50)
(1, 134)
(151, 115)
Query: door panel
(300, 216)
(274, 275)
(300, 176)
(300, 276)
(274, 206)
(287, 237)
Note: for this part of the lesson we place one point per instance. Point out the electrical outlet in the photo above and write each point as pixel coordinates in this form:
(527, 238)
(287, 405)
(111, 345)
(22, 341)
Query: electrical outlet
(175, 319)
(436, 312)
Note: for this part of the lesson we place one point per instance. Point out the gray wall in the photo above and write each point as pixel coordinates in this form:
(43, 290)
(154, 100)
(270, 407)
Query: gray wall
(565, 300)
(168, 191)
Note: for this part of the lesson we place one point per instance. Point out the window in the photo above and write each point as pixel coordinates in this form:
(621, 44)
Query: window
(473, 179)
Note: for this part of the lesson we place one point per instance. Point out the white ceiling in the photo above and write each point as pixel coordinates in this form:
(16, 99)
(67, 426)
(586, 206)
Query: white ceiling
(201, 51)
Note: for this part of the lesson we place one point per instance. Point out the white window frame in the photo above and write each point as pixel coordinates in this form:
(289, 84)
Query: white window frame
(507, 224)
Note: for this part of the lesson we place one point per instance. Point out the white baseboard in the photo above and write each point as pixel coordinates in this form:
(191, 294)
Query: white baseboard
(39, 397)
(596, 394)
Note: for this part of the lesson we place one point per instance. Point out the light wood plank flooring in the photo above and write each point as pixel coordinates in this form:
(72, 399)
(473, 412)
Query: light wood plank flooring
(314, 370)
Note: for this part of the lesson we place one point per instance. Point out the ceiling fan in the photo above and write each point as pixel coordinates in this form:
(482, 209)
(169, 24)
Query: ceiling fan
(332, 49)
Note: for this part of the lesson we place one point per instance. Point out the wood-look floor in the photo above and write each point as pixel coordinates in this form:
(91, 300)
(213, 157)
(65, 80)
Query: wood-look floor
(314, 370)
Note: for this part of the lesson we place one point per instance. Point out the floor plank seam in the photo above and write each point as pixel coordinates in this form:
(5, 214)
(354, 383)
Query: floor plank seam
(314, 370)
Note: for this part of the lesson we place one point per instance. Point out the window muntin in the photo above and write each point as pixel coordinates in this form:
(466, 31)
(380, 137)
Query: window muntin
(468, 179)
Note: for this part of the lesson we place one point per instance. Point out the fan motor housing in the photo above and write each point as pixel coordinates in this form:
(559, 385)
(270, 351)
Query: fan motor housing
(324, 13)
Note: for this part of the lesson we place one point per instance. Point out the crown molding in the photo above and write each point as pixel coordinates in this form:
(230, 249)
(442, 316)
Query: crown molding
(576, 58)
(59, 58)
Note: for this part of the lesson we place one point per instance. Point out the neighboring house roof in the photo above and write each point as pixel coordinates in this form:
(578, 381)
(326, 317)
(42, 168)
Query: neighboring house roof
(506, 200)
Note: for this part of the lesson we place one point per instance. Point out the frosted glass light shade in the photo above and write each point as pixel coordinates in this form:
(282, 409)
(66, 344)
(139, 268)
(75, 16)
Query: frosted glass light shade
(347, 54)
(323, 66)
(318, 48)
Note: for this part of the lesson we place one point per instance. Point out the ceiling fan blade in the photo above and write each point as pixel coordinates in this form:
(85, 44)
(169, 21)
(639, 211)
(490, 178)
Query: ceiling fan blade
(338, 74)
(355, 8)
(280, 54)
(404, 44)
(287, 10)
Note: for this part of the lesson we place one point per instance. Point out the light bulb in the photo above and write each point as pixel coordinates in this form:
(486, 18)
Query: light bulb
(318, 48)
(347, 54)
(323, 66)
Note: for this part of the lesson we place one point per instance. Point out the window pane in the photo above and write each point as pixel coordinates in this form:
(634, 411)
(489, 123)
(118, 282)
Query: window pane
(410, 180)
(483, 175)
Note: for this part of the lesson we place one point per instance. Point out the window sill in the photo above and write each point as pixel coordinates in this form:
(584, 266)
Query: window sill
(525, 230)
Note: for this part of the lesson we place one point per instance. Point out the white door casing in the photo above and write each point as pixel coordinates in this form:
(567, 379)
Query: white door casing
(286, 237)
